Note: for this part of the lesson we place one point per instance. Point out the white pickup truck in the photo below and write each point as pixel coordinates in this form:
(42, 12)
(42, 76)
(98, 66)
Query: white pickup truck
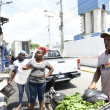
(69, 67)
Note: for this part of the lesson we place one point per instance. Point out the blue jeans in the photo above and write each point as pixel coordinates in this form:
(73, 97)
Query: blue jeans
(37, 89)
(21, 91)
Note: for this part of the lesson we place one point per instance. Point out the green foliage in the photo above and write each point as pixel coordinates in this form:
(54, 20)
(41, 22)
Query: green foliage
(34, 46)
(47, 45)
(75, 102)
(30, 41)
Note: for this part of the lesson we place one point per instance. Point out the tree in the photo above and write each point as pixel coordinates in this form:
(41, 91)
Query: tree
(30, 41)
(47, 45)
(34, 46)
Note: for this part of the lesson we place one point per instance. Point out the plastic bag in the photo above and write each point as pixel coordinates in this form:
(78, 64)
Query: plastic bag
(92, 96)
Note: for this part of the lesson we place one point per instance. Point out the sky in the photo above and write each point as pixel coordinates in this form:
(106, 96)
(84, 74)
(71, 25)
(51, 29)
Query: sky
(27, 20)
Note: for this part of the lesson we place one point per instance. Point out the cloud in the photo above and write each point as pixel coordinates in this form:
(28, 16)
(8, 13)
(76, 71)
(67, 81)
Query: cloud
(34, 25)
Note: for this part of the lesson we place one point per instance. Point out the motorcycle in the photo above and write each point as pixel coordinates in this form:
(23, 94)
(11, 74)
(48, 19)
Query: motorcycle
(52, 96)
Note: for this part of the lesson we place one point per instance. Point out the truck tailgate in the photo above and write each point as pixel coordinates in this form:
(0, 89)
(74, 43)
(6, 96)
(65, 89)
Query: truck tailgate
(64, 65)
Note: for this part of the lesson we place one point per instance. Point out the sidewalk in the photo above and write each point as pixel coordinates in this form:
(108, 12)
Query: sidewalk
(88, 69)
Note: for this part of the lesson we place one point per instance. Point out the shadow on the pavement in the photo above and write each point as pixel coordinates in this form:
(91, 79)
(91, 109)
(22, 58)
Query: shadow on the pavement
(60, 86)
(34, 109)
(14, 105)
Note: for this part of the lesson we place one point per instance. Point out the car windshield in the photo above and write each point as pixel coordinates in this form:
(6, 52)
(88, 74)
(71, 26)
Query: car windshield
(52, 54)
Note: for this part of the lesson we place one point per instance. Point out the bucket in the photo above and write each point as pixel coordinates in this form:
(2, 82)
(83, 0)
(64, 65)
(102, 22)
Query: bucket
(8, 91)
(22, 75)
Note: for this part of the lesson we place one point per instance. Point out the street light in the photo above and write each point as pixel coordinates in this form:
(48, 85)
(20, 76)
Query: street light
(9, 2)
(62, 35)
(52, 12)
(0, 8)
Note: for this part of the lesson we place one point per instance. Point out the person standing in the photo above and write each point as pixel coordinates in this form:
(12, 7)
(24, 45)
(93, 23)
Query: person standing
(21, 83)
(37, 78)
(103, 66)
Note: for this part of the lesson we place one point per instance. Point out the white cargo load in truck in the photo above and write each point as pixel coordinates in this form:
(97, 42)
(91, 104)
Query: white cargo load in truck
(17, 46)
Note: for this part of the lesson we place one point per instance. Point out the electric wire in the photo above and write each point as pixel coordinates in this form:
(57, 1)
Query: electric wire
(78, 15)
(42, 15)
(89, 8)
(24, 10)
(56, 20)
(74, 7)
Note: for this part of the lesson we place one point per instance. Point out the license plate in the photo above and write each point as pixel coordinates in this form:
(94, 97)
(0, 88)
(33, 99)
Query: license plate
(61, 76)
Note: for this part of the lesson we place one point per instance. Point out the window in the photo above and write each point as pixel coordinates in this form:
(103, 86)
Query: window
(56, 53)
(52, 54)
(103, 6)
(49, 54)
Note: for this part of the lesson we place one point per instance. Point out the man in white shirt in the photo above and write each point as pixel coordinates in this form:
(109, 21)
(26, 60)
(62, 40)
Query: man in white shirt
(103, 66)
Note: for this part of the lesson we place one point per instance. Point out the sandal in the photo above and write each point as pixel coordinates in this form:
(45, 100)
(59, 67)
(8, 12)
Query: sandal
(18, 107)
(29, 107)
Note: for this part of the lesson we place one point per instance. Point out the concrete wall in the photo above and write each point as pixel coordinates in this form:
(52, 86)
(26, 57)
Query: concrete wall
(86, 49)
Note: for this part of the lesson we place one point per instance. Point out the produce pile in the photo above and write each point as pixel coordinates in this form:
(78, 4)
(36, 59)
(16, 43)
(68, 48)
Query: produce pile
(76, 102)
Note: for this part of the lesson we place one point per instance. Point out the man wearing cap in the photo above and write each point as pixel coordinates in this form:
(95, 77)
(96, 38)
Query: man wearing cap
(20, 80)
(103, 66)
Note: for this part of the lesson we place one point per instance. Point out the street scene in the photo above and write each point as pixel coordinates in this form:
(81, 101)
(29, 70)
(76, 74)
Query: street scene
(69, 88)
(55, 55)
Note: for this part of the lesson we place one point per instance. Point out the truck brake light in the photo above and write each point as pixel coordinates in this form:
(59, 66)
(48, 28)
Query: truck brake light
(78, 62)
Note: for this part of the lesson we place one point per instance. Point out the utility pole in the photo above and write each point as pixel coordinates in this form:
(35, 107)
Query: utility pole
(62, 33)
(49, 30)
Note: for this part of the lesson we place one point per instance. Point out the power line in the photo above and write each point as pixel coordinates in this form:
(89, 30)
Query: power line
(82, 9)
(75, 13)
(42, 15)
(78, 15)
(57, 20)
(24, 10)
(75, 6)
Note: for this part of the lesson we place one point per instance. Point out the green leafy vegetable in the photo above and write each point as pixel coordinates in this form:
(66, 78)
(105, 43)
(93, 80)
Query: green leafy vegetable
(75, 102)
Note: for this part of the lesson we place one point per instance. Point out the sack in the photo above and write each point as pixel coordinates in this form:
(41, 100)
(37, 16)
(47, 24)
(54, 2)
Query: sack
(8, 91)
(92, 96)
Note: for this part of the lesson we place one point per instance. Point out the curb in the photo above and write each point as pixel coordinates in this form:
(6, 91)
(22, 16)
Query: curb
(87, 71)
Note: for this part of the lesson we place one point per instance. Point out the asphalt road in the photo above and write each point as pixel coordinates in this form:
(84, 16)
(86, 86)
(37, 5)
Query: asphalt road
(69, 88)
